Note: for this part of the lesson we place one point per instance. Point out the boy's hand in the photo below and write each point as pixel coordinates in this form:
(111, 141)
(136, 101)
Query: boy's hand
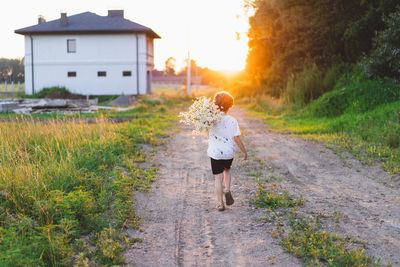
(237, 140)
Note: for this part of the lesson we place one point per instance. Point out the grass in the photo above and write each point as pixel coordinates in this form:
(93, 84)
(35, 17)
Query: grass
(305, 239)
(273, 198)
(167, 89)
(361, 116)
(194, 90)
(372, 136)
(21, 90)
(66, 188)
(303, 236)
(146, 103)
(61, 91)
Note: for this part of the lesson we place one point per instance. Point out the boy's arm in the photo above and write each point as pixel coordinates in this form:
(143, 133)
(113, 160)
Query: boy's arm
(237, 140)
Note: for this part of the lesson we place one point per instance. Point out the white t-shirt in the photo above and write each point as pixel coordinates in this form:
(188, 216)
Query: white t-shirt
(220, 138)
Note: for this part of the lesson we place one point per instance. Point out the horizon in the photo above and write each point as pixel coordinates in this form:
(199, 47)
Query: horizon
(225, 20)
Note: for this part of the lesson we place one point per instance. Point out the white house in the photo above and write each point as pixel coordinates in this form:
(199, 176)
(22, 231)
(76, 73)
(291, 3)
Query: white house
(89, 54)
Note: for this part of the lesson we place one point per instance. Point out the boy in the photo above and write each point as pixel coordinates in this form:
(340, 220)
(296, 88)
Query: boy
(221, 148)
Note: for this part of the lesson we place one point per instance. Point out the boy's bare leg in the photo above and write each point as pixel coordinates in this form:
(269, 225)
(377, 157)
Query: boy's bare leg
(227, 180)
(218, 187)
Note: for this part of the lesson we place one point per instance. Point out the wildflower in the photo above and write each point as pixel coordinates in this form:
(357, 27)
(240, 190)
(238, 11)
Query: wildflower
(203, 114)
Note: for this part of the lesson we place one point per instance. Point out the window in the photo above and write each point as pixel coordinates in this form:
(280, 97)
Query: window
(127, 73)
(71, 73)
(101, 74)
(71, 45)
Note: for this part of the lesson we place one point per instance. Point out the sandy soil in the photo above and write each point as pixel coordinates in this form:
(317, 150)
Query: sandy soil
(181, 226)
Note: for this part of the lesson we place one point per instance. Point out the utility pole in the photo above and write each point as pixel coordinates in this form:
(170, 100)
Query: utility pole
(188, 75)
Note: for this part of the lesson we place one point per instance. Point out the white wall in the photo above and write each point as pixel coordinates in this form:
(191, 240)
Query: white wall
(142, 64)
(113, 53)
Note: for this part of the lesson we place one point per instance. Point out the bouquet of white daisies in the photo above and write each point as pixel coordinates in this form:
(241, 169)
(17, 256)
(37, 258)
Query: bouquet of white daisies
(202, 114)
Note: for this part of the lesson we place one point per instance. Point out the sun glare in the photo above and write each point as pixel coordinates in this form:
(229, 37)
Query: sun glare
(217, 33)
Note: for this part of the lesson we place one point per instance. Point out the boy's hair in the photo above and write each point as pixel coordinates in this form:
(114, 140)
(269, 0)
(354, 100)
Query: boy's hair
(223, 100)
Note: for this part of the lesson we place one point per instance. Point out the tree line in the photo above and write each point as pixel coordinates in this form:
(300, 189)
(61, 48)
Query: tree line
(11, 70)
(208, 76)
(290, 38)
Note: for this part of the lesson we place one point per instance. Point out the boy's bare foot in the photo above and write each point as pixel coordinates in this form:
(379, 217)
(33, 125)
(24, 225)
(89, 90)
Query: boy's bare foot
(229, 198)
(220, 207)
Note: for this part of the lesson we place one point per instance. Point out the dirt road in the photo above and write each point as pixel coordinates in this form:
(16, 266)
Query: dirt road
(181, 226)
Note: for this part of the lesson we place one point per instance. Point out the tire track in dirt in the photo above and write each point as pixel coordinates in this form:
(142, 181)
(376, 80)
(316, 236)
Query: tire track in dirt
(368, 209)
(181, 226)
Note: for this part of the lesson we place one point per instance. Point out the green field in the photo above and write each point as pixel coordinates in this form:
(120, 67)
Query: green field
(2, 87)
(181, 90)
(66, 186)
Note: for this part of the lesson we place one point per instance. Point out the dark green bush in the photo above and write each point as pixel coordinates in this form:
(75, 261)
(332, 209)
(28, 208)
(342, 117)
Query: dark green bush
(355, 93)
(333, 74)
(50, 90)
(384, 60)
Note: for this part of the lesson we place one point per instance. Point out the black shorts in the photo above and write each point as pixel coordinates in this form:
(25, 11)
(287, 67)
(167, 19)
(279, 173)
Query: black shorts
(219, 165)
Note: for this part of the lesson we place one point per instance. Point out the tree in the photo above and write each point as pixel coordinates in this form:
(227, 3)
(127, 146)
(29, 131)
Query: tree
(11, 70)
(384, 60)
(170, 66)
(288, 36)
(193, 68)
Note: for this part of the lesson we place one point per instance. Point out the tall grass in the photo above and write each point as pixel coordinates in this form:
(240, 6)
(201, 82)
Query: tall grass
(61, 181)
(311, 84)
(360, 115)
(306, 86)
(354, 93)
(372, 136)
(38, 157)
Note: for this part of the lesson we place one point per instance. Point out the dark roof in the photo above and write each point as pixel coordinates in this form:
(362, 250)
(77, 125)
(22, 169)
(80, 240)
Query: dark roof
(88, 23)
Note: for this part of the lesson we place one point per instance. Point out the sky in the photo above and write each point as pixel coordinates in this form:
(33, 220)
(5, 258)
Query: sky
(208, 28)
